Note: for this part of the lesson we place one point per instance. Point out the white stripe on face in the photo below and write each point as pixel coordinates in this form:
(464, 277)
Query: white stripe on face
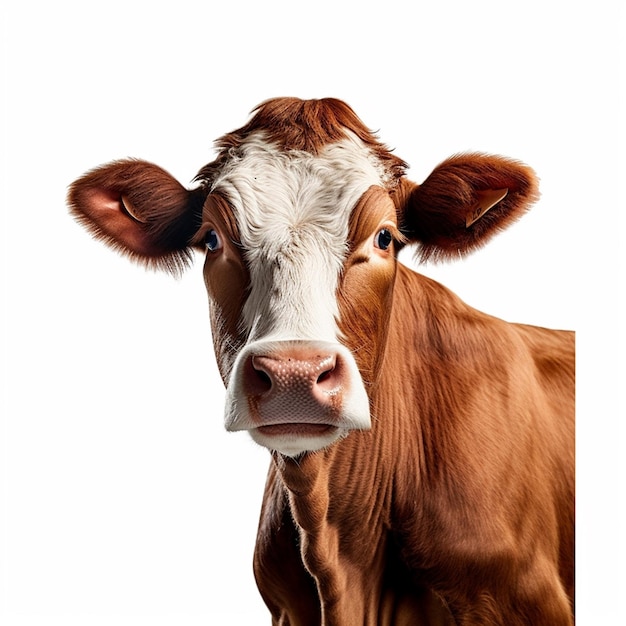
(292, 210)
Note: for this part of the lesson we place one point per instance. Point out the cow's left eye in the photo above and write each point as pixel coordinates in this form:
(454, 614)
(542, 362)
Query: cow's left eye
(383, 239)
(212, 240)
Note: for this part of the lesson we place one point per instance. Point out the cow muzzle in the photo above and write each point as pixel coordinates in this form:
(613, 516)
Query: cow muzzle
(296, 396)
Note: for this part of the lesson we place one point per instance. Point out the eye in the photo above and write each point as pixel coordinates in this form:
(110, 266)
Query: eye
(383, 239)
(212, 240)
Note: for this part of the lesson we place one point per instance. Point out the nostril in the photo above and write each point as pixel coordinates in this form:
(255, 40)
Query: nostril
(324, 376)
(258, 380)
(329, 379)
(264, 378)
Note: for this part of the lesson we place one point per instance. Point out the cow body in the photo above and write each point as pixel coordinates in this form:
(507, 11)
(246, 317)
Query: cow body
(422, 452)
(465, 493)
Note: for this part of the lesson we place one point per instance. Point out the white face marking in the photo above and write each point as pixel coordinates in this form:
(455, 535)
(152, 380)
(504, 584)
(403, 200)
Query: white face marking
(292, 209)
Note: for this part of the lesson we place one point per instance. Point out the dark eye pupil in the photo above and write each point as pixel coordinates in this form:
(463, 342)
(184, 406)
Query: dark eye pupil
(211, 240)
(384, 239)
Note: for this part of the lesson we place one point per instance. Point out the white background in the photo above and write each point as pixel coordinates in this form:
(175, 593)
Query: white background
(123, 499)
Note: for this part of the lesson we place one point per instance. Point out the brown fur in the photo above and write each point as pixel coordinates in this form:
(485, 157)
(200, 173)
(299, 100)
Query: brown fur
(226, 278)
(458, 506)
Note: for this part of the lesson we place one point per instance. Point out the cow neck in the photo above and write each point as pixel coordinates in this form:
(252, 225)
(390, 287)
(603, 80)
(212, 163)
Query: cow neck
(419, 352)
(307, 482)
(341, 523)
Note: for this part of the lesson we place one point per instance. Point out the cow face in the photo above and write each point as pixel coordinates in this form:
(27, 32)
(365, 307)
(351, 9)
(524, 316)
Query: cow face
(300, 218)
(288, 235)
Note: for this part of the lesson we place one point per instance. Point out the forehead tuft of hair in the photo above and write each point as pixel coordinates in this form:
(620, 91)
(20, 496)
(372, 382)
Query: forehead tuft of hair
(303, 125)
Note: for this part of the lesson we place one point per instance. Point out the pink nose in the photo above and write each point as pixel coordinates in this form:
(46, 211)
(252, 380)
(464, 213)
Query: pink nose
(295, 385)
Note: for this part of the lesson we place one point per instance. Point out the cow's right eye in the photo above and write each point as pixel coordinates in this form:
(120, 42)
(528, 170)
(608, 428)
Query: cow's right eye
(212, 240)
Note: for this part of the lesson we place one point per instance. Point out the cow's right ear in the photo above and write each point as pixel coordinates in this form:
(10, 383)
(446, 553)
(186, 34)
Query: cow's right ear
(139, 209)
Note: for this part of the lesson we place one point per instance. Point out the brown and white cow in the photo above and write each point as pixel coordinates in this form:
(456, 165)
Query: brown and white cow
(422, 466)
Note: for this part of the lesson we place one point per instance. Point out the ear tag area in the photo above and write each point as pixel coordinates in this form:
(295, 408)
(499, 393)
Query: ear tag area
(487, 199)
(127, 208)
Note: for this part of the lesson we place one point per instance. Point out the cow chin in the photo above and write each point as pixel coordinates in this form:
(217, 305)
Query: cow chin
(292, 441)
(296, 396)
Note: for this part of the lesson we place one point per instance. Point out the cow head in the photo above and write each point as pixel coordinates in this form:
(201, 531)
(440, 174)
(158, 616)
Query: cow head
(300, 216)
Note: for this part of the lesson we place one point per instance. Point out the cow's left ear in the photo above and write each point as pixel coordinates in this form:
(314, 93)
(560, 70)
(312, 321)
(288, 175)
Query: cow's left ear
(464, 202)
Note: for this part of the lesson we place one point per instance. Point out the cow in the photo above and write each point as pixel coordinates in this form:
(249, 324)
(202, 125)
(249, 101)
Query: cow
(422, 452)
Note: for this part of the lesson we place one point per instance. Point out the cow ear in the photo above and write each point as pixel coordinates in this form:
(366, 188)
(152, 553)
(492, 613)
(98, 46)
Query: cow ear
(139, 209)
(464, 202)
